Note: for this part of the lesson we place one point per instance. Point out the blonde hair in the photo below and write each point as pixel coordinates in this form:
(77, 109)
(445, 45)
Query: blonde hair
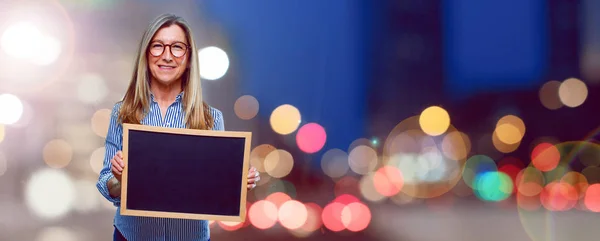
(135, 103)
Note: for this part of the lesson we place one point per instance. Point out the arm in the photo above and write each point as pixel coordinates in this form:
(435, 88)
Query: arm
(107, 184)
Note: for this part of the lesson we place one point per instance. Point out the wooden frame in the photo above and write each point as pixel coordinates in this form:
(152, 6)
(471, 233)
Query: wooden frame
(240, 217)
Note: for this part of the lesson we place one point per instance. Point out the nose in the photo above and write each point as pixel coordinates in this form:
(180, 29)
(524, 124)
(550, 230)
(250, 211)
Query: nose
(166, 56)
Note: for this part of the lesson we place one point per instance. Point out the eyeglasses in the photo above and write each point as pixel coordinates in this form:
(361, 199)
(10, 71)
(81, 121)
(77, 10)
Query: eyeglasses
(178, 49)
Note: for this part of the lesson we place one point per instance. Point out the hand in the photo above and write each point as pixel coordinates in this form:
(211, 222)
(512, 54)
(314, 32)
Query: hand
(117, 165)
(253, 178)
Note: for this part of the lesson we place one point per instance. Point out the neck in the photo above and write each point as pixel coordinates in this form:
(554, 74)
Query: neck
(165, 93)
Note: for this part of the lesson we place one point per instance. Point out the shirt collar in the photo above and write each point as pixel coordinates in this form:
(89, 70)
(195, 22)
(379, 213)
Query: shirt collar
(177, 99)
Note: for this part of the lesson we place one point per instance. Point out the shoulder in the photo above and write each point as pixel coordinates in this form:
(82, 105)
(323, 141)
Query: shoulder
(114, 113)
(217, 118)
(215, 112)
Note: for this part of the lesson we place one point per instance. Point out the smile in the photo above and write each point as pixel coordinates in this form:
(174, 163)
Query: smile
(166, 67)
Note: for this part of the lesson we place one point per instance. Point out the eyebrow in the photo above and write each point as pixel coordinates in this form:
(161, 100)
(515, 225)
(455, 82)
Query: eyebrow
(176, 41)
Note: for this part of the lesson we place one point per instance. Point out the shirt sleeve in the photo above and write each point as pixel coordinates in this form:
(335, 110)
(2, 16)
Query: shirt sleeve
(219, 123)
(113, 143)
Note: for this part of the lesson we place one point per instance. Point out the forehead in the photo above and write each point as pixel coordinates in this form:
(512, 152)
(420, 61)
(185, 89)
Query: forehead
(170, 34)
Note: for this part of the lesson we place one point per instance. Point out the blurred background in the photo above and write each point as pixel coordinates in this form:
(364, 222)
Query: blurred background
(371, 120)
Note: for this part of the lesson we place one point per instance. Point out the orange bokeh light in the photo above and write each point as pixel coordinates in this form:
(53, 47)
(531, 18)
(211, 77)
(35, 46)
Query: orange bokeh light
(278, 198)
(356, 216)
(557, 196)
(592, 197)
(388, 181)
(545, 157)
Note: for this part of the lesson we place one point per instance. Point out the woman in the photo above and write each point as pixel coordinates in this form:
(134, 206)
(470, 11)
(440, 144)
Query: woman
(164, 91)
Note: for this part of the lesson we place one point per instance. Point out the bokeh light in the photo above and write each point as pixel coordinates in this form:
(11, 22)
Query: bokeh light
(367, 188)
(57, 153)
(263, 214)
(334, 163)
(388, 180)
(50, 193)
(292, 214)
(230, 226)
(285, 119)
(311, 138)
(48, 49)
(572, 92)
(86, 198)
(11, 109)
(510, 129)
(363, 159)
(501, 146)
(258, 155)
(3, 164)
(493, 186)
(91, 88)
(26, 117)
(246, 107)
(434, 120)
(97, 159)
(313, 220)
(278, 198)
(279, 163)
(332, 216)
(511, 166)
(456, 145)
(577, 181)
(20, 40)
(214, 62)
(57, 233)
(530, 181)
(592, 197)
(360, 142)
(431, 166)
(557, 196)
(2, 133)
(100, 121)
(549, 95)
(475, 166)
(356, 216)
(545, 157)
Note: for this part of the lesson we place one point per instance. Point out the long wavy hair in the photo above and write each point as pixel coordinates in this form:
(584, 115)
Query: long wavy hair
(136, 102)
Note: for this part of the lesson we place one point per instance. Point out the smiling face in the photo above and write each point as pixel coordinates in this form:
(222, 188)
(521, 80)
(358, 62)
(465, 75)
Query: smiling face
(168, 55)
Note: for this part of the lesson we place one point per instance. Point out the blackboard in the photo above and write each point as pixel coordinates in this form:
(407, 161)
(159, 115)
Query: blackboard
(184, 173)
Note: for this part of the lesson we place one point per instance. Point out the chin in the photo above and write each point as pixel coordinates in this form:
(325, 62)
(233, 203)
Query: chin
(166, 81)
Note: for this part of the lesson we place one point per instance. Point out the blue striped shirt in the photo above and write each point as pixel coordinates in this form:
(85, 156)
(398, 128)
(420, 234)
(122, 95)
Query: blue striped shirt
(148, 228)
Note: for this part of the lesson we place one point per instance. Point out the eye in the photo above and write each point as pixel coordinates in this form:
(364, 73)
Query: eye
(179, 46)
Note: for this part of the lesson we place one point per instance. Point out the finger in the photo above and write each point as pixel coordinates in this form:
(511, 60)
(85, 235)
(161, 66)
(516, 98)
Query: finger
(254, 180)
(120, 161)
(117, 164)
(120, 154)
(250, 186)
(253, 174)
(116, 171)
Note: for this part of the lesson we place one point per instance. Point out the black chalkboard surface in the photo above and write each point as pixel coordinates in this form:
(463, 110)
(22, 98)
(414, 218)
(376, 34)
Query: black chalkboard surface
(184, 173)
